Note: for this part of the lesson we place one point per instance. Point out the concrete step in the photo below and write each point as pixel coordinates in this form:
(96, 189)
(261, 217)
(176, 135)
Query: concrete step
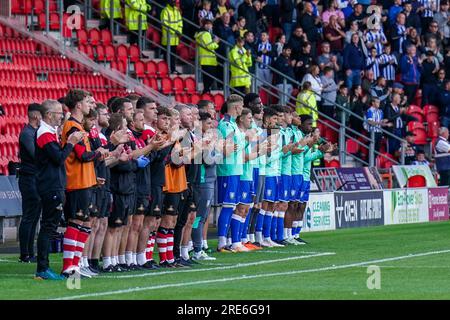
(120, 39)
(93, 23)
(150, 54)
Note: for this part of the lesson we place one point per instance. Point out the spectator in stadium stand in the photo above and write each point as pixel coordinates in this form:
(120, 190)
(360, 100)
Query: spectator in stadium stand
(380, 91)
(51, 180)
(421, 159)
(221, 7)
(284, 66)
(304, 62)
(289, 16)
(135, 14)
(31, 203)
(367, 81)
(394, 10)
(240, 60)
(409, 147)
(266, 54)
(442, 157)
(359, 15)
(133, 98)
(441, 17)
(353, 62)
(327, 59)
(105, 13)
(205, 12)
(280, 43)
(316, 83)
(171, 31)
(444, 102)
(333, 11)
(354, 28)
(412, 38)
(398, 33)
(310, 25)
(188, 11)
(410, 68)
(342, 99)
(207, 45)
(412, 18)
(430, 68)
(393, 114)
(329, 92)
(252, 46)
(433, 32)
(358, 105)
(262, 24)
(375, 121)
(240, 28)
(298, 38)
(247, 10)
(335, 35)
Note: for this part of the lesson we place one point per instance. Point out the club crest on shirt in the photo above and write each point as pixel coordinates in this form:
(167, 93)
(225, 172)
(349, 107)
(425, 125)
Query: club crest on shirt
(232, 195)
(244, 195)
(269, 192)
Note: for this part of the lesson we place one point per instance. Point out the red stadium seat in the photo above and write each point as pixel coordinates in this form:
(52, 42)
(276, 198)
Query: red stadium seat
(152, 83)
(110, 53)
(106, 37)
(150, 69)
(206, 96)
(385, 160)
(333, 164)
(428, 108)
(166, 86)
(219, 99)
(122, 53)
(415, 125)
(39, 6)
(433, 129)
(134, 53)
(189, 85)
(420, 136)
(139, 69)
(352, 146)
(100, 53)
(416, 111)
(94, 37)
(178, 85)
(417, 181)
(162, 69)
(195, 98)
(82, 36)
(154, 36)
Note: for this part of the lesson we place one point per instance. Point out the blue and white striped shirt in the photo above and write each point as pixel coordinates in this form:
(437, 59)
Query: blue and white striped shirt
(376, 37)
(375, 62)
(389, 69)
(375, 115)
(266, 60)
(428, 6)
(401, 31)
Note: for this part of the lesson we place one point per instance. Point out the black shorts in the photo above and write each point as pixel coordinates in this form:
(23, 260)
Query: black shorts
(156, 203)
(142, 205)
(101, 200)
(123, 206)
(172, 203)
(190, 200)
(78, 204)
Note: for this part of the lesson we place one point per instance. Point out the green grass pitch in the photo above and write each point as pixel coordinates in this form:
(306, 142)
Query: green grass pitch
(413, 261)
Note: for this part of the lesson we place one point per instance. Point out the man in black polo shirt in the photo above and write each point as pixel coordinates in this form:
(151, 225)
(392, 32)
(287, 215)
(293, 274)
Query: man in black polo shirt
(31, 203)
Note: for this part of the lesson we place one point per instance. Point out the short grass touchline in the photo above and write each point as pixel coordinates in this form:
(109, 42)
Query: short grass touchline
(247, 277)
(234, 266)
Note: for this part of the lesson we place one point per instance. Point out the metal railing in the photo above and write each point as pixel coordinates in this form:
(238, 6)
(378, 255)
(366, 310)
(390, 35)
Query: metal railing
(338, 126)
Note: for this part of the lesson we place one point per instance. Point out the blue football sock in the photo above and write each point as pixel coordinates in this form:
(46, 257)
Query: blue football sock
(273, 228)
(267, 224)
(245, 226)
(280, 226)
(259, 221)
(223, 222)
(235, 227)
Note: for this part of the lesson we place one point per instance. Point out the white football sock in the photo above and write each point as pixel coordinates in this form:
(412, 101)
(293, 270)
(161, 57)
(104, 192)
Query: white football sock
(205, 244)
(106, 262)
(184, 252)
(122, 259)
(258, 236)
(141, 258)
(129, 257)
(222, 242)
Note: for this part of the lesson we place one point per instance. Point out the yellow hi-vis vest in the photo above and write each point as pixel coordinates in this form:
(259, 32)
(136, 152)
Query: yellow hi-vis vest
(305, 99)
(171, 17)
(206, 46)
(240, 76)
(105, 9)
(133, 10)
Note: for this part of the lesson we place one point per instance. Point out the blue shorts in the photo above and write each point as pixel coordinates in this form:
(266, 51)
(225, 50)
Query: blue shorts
(304, 197)
(228, 189)
(271, 189)
(284, 189)
(245, 192)
(255, 180)
(296, 185)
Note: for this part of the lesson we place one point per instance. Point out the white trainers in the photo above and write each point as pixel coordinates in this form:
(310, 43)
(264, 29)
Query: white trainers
(292, 241)
(85, 272)
(202, 255)
(265, 243)
(274, 244)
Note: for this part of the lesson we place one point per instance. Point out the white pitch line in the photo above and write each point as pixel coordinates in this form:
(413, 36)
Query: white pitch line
(234, 266)
(245, 277)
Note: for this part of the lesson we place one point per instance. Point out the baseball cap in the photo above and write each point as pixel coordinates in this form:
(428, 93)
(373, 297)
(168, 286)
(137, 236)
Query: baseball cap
(397, 85)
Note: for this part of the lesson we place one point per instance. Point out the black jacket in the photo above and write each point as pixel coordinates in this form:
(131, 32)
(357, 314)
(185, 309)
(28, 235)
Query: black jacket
(287, 8)
(308, 23)
(27, 152)
(249, 13)
(284, 67)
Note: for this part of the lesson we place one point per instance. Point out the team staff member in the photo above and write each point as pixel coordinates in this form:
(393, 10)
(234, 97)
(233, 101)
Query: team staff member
(81, 179)
(51, 180)
(240, 60)
(31, 204)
